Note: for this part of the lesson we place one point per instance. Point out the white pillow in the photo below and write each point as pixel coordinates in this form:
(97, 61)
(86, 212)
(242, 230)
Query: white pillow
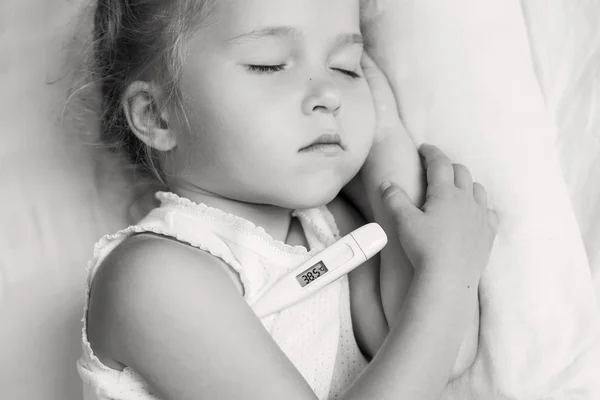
(463, 74)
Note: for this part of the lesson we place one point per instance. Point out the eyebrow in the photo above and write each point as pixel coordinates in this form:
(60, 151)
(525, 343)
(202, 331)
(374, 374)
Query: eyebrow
(342, 39)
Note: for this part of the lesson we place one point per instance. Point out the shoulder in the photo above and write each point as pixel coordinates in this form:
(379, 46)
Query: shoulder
(141, 261)
(174, 315)
(136, 278)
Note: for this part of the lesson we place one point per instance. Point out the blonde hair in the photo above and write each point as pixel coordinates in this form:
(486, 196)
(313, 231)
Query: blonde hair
(140, 40)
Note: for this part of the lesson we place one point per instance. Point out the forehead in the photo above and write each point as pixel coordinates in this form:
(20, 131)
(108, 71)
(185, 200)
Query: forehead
(311, 17)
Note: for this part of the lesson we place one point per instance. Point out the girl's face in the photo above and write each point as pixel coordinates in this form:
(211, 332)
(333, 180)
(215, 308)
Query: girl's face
(264, 81)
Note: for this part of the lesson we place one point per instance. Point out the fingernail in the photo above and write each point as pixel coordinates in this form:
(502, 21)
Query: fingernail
(385, 186)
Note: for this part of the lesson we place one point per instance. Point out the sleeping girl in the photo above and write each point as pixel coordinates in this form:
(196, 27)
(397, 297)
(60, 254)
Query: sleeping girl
(272, 135)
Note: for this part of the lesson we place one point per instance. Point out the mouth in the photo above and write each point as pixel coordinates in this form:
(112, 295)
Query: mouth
(326, 143)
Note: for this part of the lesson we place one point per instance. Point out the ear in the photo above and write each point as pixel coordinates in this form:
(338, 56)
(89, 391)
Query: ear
(150, 123)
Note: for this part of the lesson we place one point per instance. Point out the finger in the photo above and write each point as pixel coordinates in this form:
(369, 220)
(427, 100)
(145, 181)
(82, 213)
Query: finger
(480, 194)
(386, 107)
(493, 220)
(397, 203)
(438, 166)
(462, 177)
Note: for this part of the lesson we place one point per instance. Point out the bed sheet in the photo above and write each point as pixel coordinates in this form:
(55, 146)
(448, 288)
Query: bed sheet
(565, 41)
(464, 78)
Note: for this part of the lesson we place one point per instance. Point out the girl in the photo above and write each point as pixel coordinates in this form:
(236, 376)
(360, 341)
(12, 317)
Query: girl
(254, 114)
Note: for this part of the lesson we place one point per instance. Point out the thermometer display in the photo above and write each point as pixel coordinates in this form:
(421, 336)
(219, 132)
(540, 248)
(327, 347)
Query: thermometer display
(312, 274)
(325, 267)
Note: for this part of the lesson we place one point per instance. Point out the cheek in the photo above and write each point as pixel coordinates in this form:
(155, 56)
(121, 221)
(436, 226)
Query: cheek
(219, 105)
(239, 105)
(232, 131)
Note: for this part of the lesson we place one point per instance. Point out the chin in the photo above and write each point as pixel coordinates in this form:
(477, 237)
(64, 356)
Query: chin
(311, 197)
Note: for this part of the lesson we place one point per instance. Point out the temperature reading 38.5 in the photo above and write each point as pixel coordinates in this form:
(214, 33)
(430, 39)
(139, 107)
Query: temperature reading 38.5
(312, 274)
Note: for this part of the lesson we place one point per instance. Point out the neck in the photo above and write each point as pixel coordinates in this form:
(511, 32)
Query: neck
(274, 220)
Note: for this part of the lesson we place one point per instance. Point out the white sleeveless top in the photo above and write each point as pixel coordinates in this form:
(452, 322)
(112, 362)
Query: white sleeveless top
(315, 334)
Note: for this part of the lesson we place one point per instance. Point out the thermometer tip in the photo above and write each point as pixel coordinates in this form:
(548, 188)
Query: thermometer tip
(371, 238)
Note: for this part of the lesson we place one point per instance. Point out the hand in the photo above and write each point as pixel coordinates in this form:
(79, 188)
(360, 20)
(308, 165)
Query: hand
(454, 231)
(386, 108)
(393, 156)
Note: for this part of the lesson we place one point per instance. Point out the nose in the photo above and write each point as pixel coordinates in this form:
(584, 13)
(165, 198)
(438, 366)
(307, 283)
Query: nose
(322, 96)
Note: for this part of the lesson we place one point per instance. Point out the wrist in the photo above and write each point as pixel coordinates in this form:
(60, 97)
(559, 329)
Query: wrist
(391, 159)
(444, 279)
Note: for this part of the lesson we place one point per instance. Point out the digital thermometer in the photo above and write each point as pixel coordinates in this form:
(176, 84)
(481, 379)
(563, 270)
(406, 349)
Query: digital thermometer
(325, 267)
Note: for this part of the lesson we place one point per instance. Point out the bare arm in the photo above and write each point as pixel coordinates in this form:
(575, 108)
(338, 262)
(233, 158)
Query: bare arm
(429, 339)
(173, 314)
(368, 320)
(396, 271)
(394, 157)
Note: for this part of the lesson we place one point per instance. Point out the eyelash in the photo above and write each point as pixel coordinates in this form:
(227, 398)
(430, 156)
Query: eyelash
(266, 69)
(269, 69)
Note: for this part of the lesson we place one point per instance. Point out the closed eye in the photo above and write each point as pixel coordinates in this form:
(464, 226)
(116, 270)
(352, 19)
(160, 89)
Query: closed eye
(351, 74)
(266, 69)
(269, 69)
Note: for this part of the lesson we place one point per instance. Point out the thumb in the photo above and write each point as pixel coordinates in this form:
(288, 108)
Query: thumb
(397, 203)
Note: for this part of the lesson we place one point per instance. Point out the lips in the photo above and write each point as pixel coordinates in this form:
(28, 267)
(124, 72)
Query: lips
(325, 141)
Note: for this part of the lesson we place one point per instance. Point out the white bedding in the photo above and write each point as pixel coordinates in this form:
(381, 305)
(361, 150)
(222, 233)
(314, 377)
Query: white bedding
(463, 74)
(565, 38)
(47, 230)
